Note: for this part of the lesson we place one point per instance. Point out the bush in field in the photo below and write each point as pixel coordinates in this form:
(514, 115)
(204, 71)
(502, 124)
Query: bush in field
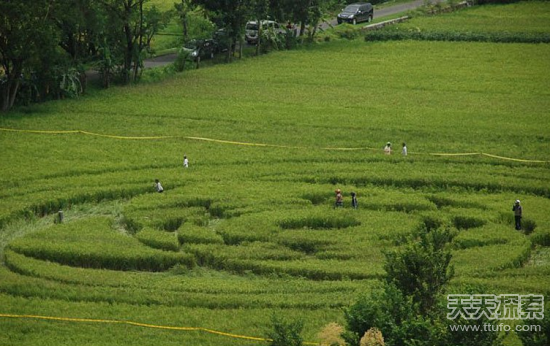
(284, 332)
(496, 37)
(469, 336)
(394, 314)
(537, 338)
(422, 269)
(373, 337)
(331, 335)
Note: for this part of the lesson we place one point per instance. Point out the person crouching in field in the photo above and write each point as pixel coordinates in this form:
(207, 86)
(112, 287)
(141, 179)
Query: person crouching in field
(158, 186)
(339, 199)
(518, 211)
(387, 149)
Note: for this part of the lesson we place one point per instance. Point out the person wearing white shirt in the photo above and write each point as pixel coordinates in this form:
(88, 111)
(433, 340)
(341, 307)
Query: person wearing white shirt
(185, 161)
(157, 186)
(387, 149)
(404, 150)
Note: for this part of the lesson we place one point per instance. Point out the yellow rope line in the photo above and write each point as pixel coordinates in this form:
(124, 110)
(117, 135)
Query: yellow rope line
(145, 325)
(511, 159)
(250, 143)
(124, 137)
(39, 131)
(454, 154)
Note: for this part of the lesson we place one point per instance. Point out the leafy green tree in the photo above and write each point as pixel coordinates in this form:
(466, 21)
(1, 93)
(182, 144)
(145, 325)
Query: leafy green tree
(538, 337)
(306, 12)
(79, 23)
(409, 310)
(285, 333)
(423, 268)
(394, 314)
(231, 15)
(130, 30)
(27, 35)
(260, 13)
(183, 10)
(477, 332)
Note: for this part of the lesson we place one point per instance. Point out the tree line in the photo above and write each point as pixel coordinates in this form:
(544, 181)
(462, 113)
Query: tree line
(46, 46)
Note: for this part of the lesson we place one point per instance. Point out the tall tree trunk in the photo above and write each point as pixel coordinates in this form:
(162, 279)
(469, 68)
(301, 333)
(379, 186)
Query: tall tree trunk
(137, 57)
(230, 50)
(185, 28)
(259, 37)
(12, 85)
(241, 44)
(128, 53)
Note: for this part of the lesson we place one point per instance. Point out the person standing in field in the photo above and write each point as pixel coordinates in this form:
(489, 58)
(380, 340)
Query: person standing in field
(185, 161)
(354, 204)
(158, 186)
(339, 199)
(387, 149)
(518, 211)
(404, 150)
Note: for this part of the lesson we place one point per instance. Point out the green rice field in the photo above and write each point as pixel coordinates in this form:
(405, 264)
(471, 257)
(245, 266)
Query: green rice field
(249, 229)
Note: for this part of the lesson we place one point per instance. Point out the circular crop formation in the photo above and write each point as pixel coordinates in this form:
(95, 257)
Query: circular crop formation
(302, 235)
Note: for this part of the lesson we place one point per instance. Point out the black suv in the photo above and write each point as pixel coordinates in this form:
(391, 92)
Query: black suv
(355, 13)
(199, 49)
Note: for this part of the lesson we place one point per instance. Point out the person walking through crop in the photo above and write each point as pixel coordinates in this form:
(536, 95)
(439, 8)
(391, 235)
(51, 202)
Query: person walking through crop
(339, 199)
(518, 211)
(158, 186)
(354, 204)
(185, 161)
(404, 150)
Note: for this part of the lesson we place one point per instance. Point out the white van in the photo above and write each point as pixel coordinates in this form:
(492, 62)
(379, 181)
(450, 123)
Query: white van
(251, 29)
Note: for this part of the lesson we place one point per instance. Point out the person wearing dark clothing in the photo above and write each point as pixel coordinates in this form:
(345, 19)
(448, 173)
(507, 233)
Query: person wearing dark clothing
(354, 204)
(518, 211)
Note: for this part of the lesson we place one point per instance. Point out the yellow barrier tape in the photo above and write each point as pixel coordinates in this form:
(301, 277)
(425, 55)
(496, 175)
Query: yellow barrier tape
(145, 325)
(454, 154)
(512, 159)
(251, 144)
(61, 132)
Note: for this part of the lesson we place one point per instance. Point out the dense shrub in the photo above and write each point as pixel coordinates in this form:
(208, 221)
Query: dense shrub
(331, 335)
(284, 332)
(392, 313)
(539, 337)
(496, 37)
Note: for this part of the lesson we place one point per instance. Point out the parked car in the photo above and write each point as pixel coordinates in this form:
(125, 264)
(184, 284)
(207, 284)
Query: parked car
(251, 30)
(357, 12)
(199, 49)
(221, 41)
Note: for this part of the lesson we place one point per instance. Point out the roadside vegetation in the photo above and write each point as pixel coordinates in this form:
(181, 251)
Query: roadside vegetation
(246, 240)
